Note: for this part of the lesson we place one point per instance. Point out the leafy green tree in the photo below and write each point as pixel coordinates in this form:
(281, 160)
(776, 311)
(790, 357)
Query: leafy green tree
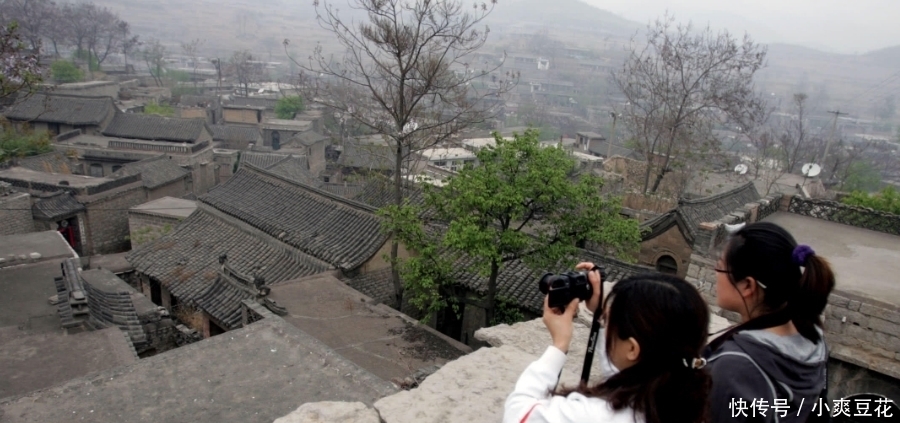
(159, 109)
(64, 71)
(862, 177)
(888, 200)
(15, 143)
(521, 202)
(288, 107)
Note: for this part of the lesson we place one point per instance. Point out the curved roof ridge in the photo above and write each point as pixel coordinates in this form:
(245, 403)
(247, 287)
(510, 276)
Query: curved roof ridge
(719, 195)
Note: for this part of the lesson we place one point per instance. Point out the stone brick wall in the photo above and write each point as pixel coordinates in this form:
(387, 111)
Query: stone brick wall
(240, 116)
(15, 214)
(671, 243)
(176, 189)
(144, 227)
(107, 220)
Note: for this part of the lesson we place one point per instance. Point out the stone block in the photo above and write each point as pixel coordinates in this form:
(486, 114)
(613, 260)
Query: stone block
(887, 342)
(880, 312)
(857, 332)
(471, 388)
(331, 411)
(852, 317)
(533, 338)
(833, 325)
(884, 326)
(853, 305)
(838, 300)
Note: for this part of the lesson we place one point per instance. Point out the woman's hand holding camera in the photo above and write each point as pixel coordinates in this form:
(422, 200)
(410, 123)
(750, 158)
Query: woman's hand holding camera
(595, 280)
(560, 323)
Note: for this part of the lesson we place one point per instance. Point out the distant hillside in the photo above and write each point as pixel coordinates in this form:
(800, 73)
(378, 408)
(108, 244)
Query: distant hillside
(889, 57)
(562, 13)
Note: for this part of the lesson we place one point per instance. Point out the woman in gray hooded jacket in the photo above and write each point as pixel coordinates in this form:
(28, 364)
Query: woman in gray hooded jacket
(772, 366)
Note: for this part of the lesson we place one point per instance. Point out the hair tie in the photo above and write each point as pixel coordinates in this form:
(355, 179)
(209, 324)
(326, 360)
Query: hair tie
(695, 363)
(801, 254)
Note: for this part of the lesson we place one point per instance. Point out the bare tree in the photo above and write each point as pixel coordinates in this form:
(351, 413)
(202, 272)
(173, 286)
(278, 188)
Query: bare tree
(404, 75)
(105, 33)
(245, 70)
(191, 49)
(796, 140)
(129, 43)
(33, 16)
(758, 129)
(154, 56)
(681, 82)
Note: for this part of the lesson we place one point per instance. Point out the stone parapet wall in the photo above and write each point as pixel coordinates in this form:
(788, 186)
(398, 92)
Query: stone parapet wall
(861, 217)
(107, 221)
(144, 227)
(115, 309)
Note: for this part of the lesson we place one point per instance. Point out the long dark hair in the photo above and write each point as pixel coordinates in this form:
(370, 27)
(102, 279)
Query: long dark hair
(669, 319)
(765, 252)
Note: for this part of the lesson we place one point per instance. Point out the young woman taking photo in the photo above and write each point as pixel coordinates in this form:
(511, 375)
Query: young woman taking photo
(655, 329)
(777, 355)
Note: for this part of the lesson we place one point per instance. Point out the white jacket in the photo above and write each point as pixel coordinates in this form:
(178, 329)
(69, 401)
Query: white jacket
(531, 402)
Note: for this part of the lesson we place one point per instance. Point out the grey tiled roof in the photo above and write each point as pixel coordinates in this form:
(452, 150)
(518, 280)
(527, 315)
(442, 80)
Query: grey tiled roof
(155, 172)
(296, 169)
(379, 192)
(341, 232)
(368, 156)
(716, 206)
(155, 128)
(597, 147)
(64, 109)
(516, 281)
(350, 190)
(231, 133)
(53, 162)
(261, 160)
(376, 284)
(222, 300)
(266, 103)
(57, 206)
(309, 138)
(519, 284)
(186, 259)
(199, 100)
(110, 304)
(691, 213)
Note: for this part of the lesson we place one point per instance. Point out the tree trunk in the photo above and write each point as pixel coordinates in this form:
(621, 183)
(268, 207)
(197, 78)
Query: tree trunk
(665, 166)
(491, 294)
(647, 173)
(395, 246)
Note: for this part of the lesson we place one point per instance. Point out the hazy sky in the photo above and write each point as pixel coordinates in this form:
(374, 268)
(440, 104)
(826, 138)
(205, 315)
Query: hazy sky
(832, 25)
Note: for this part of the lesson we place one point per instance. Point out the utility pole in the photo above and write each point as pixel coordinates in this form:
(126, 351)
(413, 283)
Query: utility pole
(612, 135)
(836, 113)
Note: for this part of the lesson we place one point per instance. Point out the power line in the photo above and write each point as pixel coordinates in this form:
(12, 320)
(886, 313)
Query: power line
(889, 79)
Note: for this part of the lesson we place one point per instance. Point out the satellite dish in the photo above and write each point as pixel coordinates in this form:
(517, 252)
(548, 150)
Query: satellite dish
(741, 169)
(262, 90)
(811, 170)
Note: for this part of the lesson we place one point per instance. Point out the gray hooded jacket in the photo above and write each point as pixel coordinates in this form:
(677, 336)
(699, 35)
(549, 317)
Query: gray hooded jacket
(762, 366)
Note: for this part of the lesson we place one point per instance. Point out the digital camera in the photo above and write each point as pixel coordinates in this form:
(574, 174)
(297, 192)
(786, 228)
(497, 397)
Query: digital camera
(565, 287)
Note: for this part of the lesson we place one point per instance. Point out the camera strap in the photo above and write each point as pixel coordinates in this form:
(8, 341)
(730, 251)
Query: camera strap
(595, 333)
